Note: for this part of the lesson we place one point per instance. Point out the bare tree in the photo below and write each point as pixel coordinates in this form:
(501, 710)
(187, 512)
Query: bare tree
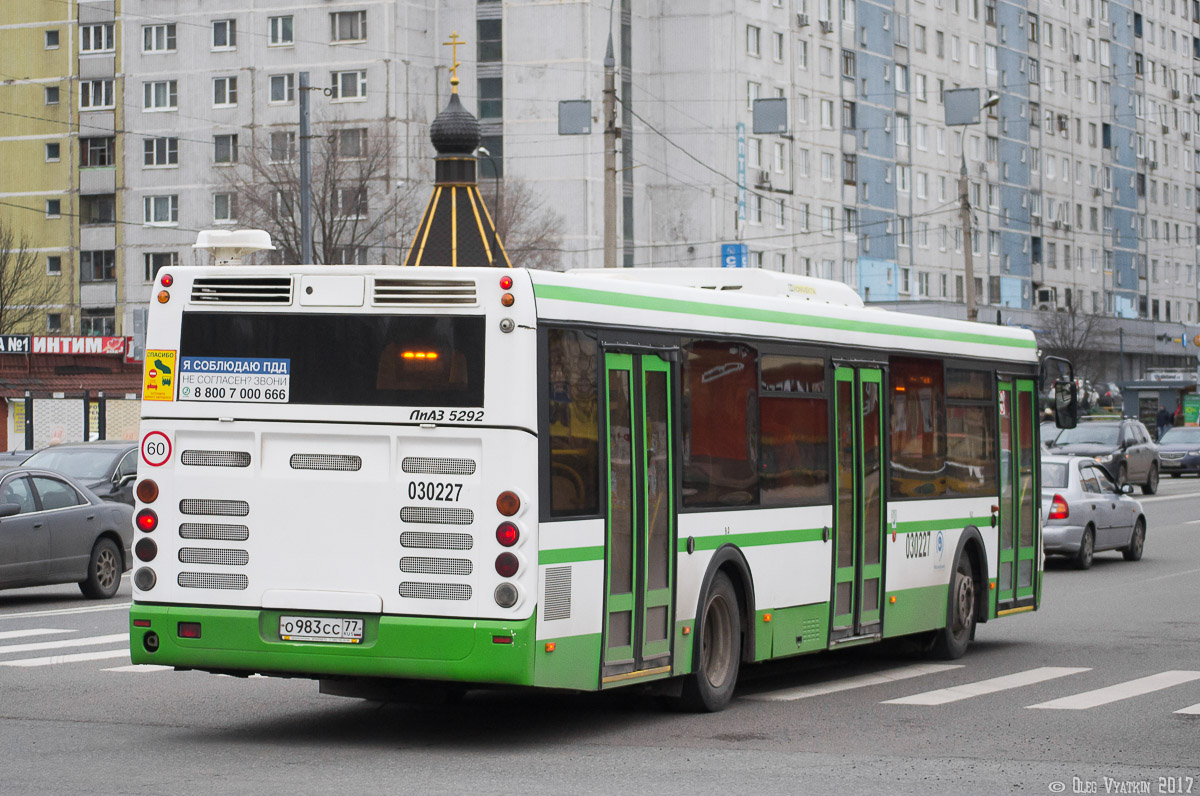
(530, 230)
(356, 205)
(25, 292)
(1072, 335)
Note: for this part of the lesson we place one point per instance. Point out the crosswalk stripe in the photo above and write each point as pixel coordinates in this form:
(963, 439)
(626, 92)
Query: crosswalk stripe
(1115, 693)
(66, 611)
(968, 690)
(1193, 710)
(858, 681)
(140, 667)
(33, 631)
(52, 660)
(7, 649)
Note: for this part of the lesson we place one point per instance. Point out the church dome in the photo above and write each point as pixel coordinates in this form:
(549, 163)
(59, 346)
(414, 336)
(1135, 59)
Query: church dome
(455, 131)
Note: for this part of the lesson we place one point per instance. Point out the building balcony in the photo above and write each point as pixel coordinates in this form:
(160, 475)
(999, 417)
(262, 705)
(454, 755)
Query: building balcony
(98, 180)
(97, 294)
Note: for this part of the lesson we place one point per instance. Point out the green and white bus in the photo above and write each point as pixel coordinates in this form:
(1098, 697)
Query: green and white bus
(375, 476)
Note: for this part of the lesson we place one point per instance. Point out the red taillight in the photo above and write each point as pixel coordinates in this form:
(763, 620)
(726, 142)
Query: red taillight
(146, 520)
(189, 630)
(141, 623)
(1059, 510)
(505, 282)
(507, 565)
(508, 503)
(167, 280)
(146, 549)
(507, 534)
(147, 491)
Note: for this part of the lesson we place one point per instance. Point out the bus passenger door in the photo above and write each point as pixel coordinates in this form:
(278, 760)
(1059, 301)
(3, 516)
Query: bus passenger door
(640, 530)
(858, 504)
(1020, 495)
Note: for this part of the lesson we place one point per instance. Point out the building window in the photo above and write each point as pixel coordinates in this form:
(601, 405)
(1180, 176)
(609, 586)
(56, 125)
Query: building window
(54, 264)
(97, 152)
(753, 40)
(350, 202)
(351, 143)
(54, 322)
(98, 209)
(849, 169)
(849, 64)
(778, 41)
(160, 152)
(349, 86)
(753, 92)
(491, 103)
(97, 38)
(224, 34)
(283, 147)
(350, 255)
(224, 208)
(492, 168)
(848, 115)
(156, 261)
(491, 42)
(160, 95)
(97, 266)
(98, 322)
(158, 38)
(51, 40)
(53, 208)
(53, 153)
(279, 31)
(348, 26)
(225, 148)
(51, 95)
(283, 89)
(160, 210)
(225, 93)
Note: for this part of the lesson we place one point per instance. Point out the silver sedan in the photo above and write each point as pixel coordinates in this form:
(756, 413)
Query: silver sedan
(1084, 512)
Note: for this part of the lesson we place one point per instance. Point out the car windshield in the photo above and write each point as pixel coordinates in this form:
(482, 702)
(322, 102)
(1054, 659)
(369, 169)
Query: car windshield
(1054, 476)
(1181, 436)
(82, 463)
(1088, 434)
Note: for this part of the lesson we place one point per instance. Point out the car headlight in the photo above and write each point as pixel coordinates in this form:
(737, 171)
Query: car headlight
(1105, 457)
(1193, 453)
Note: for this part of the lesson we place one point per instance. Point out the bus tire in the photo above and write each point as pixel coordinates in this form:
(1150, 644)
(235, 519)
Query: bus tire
(710, 687)
(951, 641)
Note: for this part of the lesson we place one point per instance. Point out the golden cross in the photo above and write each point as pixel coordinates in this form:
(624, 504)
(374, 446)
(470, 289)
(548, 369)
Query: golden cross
(454, 43)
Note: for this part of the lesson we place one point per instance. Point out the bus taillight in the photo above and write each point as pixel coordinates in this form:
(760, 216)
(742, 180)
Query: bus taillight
(146, 520)
(506, 595)
(147, 491)
(507, 565)
(508, 503)
(507, 534)
(146, 549)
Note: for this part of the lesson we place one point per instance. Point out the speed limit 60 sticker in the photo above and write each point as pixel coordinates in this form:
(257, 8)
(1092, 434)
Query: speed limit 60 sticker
(156, 449)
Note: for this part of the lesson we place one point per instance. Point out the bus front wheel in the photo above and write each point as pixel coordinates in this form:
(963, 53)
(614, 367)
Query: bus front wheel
(710, 687)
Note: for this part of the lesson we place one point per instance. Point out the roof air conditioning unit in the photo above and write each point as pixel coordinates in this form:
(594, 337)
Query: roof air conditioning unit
(1096, 192)
(1166, 129)
(1174, 93)
(1154, 165)
(1055, 224)
(1187, 136)
(1078, 57)
(1091, 23)
(802, 20)
(826, 26)
(764, 179)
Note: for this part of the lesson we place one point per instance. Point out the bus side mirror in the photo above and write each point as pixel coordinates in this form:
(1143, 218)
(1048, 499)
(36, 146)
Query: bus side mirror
(1066, 400)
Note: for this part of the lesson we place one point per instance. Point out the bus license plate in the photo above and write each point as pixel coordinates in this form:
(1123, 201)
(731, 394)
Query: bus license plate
(337, 630)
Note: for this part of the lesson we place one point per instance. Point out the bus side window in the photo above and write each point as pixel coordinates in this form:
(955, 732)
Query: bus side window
(795, 431)
(918, 466)
(720, 384)
(574, 424)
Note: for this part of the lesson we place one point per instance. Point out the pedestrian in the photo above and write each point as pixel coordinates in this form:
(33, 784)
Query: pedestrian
(1164, 420)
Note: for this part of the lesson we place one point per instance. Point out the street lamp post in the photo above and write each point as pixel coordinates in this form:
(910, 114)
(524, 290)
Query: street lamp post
(964, 115)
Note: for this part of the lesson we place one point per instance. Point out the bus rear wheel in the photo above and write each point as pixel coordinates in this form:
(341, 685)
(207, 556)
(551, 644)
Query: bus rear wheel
(710, 687)
(950, 643)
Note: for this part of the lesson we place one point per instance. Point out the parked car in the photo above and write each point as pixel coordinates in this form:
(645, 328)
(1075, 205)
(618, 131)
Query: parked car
(1110, 394)
(54, 530)
(108, 468)
(1122, 445)
(11, 459)
(1083, 512)
(1179, 450)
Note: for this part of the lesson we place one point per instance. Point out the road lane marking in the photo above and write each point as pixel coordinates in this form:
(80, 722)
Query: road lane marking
(968, 690)
(34, 631)
(7, 649)
(1115, 693)
(858, 681)
(1192, 522)
(67, 611)
(1194, 710)
(140, 667)
(54, 660)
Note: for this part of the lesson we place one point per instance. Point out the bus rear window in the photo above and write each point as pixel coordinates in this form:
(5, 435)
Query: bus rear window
(353, 360)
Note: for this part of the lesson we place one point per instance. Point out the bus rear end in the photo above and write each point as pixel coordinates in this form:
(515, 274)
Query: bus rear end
(338, 476)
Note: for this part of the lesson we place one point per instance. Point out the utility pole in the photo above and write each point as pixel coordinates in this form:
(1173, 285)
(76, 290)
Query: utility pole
(306, 236)
(610, 157)
(964, 214)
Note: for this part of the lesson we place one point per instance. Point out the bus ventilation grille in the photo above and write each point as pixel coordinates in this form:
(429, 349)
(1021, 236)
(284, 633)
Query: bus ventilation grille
(210, 580)
(325, 461)
(424, 292)
(204, 555)
(435, 515)
(425, 540)
(220, 533)
(429, 466)
(243, 290)
(216, 458)
(434, 591)
(558, 593)
(221, 508)
(435, 566)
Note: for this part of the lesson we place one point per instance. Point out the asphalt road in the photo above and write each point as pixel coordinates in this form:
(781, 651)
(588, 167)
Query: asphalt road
(1088, 688)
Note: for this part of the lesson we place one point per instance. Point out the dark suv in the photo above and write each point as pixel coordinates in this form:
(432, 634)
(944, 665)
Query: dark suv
(1121, 445)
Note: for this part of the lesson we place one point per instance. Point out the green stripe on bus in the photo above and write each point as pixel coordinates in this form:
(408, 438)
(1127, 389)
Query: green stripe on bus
(570, 555)
(941, 525)
(754, 539)
(611, 299)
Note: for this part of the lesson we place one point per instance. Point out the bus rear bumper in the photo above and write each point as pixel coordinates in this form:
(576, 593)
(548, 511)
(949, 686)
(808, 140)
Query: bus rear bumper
(236, 640)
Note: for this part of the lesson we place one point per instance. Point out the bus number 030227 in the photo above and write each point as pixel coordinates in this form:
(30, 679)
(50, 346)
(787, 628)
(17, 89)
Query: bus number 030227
(434, 490)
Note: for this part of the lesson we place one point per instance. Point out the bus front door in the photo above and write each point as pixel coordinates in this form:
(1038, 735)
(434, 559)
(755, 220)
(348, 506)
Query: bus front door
(640, 532)
(1020, 496)
(858, 504)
